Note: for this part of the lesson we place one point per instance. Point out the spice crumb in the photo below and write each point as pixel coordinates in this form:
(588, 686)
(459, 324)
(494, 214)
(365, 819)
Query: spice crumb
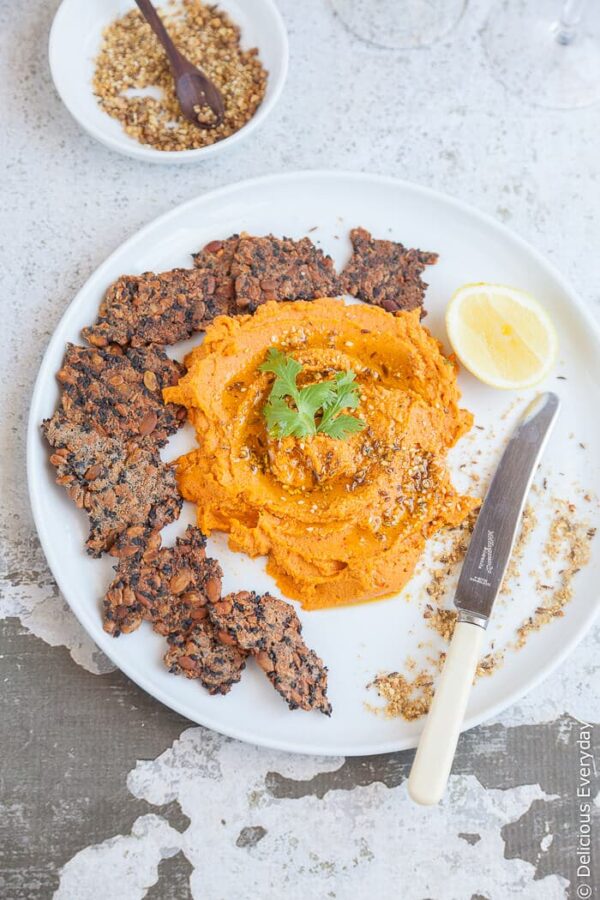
(568, 544)
(403, 697)
(513, 570)
(567, 548)
(447, 560)
(133, 81)
(442, 621)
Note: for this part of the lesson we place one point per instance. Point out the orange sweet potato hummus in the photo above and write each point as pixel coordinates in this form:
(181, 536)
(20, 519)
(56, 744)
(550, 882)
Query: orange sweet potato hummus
(340, 520)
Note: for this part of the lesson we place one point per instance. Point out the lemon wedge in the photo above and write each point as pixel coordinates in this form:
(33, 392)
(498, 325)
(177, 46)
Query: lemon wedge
(502, 335)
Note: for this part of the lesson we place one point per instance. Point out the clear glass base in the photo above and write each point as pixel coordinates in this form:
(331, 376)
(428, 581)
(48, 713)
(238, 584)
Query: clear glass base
(399, 25)
(534, 59)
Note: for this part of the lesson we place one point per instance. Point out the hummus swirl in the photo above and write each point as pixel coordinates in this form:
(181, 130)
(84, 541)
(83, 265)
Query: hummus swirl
(340, 520)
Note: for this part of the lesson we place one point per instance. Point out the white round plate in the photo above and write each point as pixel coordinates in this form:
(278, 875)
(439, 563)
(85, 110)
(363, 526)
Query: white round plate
(356, 642)
(74, 44)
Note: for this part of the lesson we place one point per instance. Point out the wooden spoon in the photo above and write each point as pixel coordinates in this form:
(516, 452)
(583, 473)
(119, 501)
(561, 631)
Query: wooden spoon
(194, 90)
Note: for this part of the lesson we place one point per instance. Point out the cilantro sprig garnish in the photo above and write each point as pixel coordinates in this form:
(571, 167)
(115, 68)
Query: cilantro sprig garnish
(293, 411)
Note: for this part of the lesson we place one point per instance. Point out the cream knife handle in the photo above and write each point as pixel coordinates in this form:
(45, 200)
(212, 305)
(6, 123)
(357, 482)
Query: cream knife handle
(435, 753)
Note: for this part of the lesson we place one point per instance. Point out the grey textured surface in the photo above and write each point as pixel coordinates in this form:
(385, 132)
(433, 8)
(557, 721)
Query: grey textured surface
(106, 794)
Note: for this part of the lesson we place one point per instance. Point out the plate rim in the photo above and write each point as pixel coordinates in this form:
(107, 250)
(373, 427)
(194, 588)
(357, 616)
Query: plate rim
(242, 734)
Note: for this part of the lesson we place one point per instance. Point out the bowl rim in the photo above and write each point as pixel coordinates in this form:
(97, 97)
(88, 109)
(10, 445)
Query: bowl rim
(149, 154)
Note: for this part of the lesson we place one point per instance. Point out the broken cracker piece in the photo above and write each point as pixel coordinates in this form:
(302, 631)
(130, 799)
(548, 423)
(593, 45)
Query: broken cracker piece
(217, 258)
(120, 393)
(154, 308)
(118, 484)
(271, 631)
(200, 654)
(270, 268)
(168, 586)
(385, 273)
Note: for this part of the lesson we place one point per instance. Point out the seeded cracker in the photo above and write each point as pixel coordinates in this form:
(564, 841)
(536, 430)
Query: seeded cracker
(270, 268)
(200, 654)
(385, 273)
(168, 586)
(217, 258)
(121, 393)
(171, 588)
(155, 308)
(270, 630)
(118, 484)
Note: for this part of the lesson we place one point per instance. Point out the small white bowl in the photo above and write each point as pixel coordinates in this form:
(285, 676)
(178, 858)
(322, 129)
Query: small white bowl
(74, 44)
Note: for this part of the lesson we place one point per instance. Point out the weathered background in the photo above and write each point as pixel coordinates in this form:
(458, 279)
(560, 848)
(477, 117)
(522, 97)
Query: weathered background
(105, 793)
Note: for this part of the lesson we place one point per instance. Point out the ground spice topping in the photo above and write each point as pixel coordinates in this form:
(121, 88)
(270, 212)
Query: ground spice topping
(568, 545)
(133, 82)
(404, 697)
(446, 562)
(569, 542)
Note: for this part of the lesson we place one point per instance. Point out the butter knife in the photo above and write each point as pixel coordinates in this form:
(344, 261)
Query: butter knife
(478, 586)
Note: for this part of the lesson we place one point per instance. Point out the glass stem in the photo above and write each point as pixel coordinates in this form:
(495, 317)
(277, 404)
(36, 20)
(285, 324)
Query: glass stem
(567, 26)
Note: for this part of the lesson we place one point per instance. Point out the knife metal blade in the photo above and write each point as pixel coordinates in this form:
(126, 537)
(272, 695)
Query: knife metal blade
(500, 515)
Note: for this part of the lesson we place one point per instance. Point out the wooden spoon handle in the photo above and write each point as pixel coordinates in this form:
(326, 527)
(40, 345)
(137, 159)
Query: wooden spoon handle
(179, 63)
